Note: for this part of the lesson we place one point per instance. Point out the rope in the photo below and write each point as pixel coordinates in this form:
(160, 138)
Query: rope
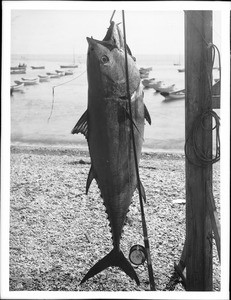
(146, 241)
(53, 93)
(203, 159)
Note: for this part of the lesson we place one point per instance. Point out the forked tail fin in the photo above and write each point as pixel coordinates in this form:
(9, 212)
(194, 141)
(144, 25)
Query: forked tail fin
(114, 258)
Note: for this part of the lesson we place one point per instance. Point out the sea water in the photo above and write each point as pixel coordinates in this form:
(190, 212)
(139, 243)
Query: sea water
(45, 113)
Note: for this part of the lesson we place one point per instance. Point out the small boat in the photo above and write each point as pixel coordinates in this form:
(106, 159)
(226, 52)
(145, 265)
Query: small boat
(69, 72)
(21, 71)
(180, 94)
(43, 78)
(181, 70)
(146, 75)
(145, 70)
(156, 84)
(19, 67)
(38, 67)
(61, 73)
(68, 66)
(53, 75)
(16, 87)
(165, 88)
(151, 83)
(28, 81)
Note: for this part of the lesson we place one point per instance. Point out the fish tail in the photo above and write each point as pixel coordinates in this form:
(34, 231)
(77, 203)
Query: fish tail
(114, 258)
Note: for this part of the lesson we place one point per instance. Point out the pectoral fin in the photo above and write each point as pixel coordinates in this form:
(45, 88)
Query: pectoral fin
(82, 125)
(147, 115)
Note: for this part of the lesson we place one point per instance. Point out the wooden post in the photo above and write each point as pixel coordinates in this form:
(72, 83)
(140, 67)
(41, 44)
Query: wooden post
(198, 30)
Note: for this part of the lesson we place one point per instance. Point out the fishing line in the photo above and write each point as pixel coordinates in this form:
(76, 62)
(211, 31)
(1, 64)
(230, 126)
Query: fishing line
(146, 241)
(53, 93)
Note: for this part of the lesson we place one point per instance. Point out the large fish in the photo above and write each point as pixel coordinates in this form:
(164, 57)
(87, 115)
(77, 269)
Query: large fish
(106, 125)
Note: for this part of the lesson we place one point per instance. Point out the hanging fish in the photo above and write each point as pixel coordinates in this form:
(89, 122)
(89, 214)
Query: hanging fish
(106, 125)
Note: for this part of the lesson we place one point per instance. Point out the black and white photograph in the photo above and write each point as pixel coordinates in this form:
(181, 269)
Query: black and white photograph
(115, 150)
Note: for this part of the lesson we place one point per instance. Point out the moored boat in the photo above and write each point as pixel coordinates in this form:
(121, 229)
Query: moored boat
(144, 75)
(61, 73)
(175, 95)
(28, 81)
(53, 74)
(181, 70)
(156, 85)
(145, 70)
(21, 71)
(68, 66)
(165, 88)
(16, 87)
(19, 67)
(69, 72)
(38, 67)
(43, 78)
(150, 83)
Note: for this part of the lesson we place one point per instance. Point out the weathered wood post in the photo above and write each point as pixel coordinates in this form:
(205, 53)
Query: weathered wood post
(198, 31)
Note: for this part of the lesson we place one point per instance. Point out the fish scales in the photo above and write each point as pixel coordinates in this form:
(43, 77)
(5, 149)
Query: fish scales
(109, 137)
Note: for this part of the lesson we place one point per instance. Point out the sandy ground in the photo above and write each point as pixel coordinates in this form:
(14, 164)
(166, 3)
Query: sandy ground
(57, 232)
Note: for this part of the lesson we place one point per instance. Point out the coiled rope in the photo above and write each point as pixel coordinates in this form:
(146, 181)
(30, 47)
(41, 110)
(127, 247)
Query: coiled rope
(201, 158)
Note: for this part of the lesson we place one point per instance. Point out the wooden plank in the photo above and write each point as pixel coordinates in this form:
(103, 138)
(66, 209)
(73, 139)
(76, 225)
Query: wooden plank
(198, 29)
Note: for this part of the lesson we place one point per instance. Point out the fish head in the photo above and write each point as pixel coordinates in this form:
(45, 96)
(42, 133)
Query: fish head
(106, 68)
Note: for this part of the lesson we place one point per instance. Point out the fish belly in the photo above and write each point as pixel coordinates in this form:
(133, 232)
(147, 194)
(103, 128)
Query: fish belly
(111, 150)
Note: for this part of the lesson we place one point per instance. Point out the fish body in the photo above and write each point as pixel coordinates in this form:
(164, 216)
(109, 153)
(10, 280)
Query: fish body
(106, 125)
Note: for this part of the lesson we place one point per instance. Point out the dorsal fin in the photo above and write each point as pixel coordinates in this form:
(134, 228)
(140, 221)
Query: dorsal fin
(82, 125)
(147, 115)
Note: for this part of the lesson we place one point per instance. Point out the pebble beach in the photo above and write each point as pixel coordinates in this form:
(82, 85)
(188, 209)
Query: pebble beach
(57, 232)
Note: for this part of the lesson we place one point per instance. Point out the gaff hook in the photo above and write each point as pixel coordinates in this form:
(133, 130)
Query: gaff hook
(112, 16)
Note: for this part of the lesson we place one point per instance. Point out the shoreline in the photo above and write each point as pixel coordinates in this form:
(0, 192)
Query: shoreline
(79, 151)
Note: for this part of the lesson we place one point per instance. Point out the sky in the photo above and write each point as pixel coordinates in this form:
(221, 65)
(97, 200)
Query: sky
(50, 31)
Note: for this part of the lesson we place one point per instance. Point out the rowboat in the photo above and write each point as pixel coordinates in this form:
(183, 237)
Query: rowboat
(180, 94)
(68, 66)
(53, 75)
(165, 88)
(38, 67)
(69, 72)
(145, 70)
(61, 73)
(19, 67)
(43, 78)
(142, 76)
(16, 87)
(21, 71)
(151, 83)
(28, 81)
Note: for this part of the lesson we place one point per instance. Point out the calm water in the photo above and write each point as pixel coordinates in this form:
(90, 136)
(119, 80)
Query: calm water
(30, 109)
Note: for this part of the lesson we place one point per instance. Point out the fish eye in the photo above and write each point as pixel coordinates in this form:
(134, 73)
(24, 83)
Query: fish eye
(104, 59)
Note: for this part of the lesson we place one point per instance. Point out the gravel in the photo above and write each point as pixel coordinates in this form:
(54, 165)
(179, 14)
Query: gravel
(57, 232)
